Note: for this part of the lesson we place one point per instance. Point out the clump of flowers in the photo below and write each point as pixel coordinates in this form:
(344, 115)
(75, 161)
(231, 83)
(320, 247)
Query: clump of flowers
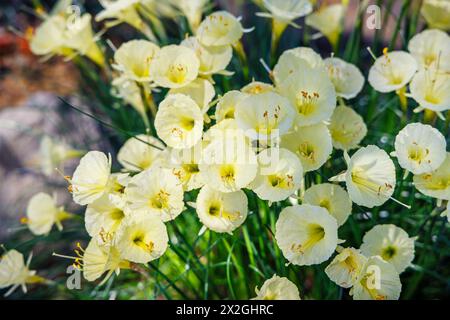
(250, 180)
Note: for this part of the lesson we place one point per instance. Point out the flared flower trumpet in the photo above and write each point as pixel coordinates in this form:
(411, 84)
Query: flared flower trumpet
(221, 212)
(331, 197)
(390, 243)
(277, 288)
(370, 176)
(306, 234)
(420, 148)
(43, 213)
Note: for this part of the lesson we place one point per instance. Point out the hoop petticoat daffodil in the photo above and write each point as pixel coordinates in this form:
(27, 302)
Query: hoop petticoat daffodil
(279, 174)
(174, 66)
(219, 211)
(306, 234)
(437, 13)
(283, 13)
(370, 177)
(378, 280)
(43, 213)
(431, 49)
(331, 197)
(435, 184)
(346, 267)
(420, 148)
(15, 273)
(124, 11)
(347, 79)
(163, 197)
(328, 20)
(133, 59)
(179, 121)
(431, 89)
(277, 288)
(141, 238)
(390, 243)
(347, 128)
(138, 153)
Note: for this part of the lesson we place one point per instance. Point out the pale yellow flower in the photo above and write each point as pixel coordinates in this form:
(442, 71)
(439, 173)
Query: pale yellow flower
(431, 90)
(347, 128)
(390, 243)
(263, 114)
(219, 29)
(345, 267)
(179, 121)
(213, 60)
(15, 273)
(221, 212)
(96, 260)
(133, 59)
(53, 153)
(328, 20)
(141, 238)
(174, 66)
(49, 37)
(102, 219)
(420, 148)
(200, 90)
(277, 288)
(229, 163)
(311, 92)
(294, 59)
(279, 174)
(312, 144)
(306, 234)
(140, 152)
(435, 184)
(92, 178)
(378, 280)
(437, 13)
(392, 71)
(285, 11)
(331, 197)
(347, 79)
(226, 105)
(431, 49)
(192, 9)
(43, 213)
(257, 87)
(370, 176)
(184, 166)
(124, 11)
(155, 192)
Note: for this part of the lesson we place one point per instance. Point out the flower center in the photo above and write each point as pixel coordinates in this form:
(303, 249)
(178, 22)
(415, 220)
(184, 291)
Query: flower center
(177, 73)
(307, 102)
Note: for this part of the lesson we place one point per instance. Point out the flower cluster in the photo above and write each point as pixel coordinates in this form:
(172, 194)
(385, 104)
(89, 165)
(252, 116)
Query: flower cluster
(259, 142)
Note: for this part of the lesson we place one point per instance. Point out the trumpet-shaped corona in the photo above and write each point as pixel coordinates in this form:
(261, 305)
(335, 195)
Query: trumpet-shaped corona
(279, 174)
(331, 197)
(277, 288)
(311, 92)
(306, 234)
(174, 66)
(221, 212)
(312, 144)
(390, 243)
(179, 121)
(346, 267)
